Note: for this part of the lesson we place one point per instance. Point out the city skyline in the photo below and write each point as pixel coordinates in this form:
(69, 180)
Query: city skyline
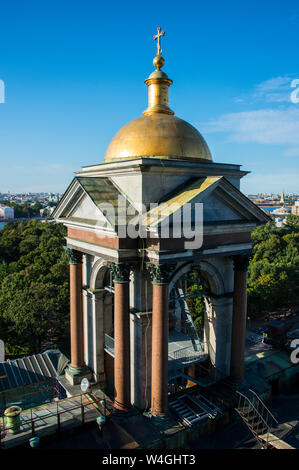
(19, 193)
(72, 80)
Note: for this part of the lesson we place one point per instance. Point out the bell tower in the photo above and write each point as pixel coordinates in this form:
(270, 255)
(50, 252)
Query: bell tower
(135, 270)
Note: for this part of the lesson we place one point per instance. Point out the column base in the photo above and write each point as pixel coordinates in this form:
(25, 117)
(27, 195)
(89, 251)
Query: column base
(157, 417)
(237, 385)
(74, 375)
(121, 408)
(122, 415)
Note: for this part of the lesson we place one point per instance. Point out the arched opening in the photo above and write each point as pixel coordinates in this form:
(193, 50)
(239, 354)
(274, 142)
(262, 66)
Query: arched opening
(196, 302)
(100, 329)
(192, 323)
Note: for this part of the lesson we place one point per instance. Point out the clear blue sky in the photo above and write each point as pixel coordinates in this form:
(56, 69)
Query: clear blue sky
(74, 72)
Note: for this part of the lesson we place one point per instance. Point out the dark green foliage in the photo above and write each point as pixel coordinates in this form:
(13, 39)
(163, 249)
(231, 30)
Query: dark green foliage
(34, 286)
(273, 275)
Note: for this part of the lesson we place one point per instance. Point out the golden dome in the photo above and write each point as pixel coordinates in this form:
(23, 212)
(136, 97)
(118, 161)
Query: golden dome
(158, 133)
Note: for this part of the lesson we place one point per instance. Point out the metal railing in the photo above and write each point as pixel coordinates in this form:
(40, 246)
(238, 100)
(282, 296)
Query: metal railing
(186, 353)
(109, 344)
(188, 320)
(32, 422)
(256, 416)
(262, 409)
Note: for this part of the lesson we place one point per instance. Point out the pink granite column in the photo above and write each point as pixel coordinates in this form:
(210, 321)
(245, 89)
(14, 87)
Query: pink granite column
(160, 327)
(239, 318)
(122, 370)
(77, 369)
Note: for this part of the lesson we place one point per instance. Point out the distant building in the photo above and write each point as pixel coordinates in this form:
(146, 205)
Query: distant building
(295, 208)
(46, 211)
(280, 215)
(6, 212)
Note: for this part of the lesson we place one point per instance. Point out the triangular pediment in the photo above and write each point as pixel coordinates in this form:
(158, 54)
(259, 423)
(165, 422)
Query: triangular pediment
(78, 208)
(86, 211)
(221, 203)
(93, 202)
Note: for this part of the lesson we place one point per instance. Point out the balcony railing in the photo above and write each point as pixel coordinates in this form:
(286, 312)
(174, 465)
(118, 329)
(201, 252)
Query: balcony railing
(184, 357)
(186, 353)
(177, 359)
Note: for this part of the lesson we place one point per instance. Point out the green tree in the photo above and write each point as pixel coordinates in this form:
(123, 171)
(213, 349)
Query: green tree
(273, 274)
(195, 300)
(34, 285)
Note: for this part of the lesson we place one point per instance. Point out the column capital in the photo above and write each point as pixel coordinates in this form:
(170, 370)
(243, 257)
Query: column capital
(74, 256)
(160, 273)
(241, 262)
(120, 271)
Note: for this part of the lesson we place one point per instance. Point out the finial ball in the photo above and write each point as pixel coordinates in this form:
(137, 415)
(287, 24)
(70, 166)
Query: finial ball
(158, 62)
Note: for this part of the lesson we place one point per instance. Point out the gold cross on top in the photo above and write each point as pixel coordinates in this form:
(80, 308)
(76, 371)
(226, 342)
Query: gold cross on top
(157, 36)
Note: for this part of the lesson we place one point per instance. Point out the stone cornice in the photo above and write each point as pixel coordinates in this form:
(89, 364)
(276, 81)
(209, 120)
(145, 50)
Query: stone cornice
(156, 161)
(168, 166)
(72, 192)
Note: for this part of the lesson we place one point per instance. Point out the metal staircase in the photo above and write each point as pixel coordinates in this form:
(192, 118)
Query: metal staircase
(188, 321)
(257, 417)
(191, 408)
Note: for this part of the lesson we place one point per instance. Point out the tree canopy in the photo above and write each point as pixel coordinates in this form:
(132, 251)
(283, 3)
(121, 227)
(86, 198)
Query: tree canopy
(34, 281)
(34, 286)
(273, 274)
